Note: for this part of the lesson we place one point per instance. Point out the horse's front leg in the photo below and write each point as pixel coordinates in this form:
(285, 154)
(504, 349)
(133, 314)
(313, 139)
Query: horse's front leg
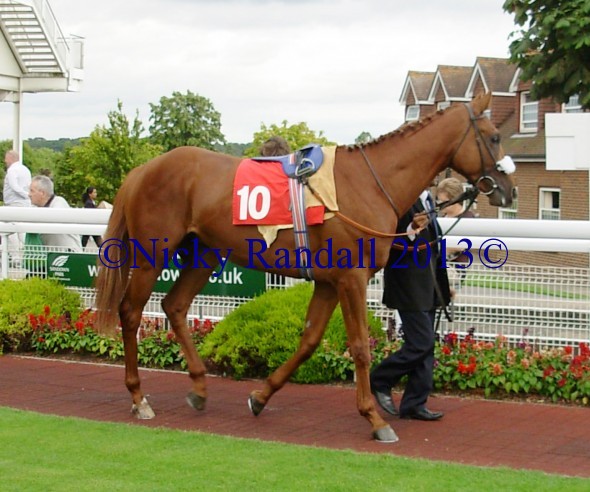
(319, 311)
(352, 292)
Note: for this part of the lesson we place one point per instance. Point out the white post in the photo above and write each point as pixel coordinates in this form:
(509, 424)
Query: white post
(17, 142)
(4, 249)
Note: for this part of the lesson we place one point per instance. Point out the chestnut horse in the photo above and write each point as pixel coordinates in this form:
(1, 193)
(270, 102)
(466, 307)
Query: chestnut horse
(187, 194)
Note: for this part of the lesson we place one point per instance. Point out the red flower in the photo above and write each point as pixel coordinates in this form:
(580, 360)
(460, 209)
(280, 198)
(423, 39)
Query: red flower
(46, 310)
(562, 382)
(548, 371)
(79, 326)
(568, 350)
(446, 350)
(451, 339)
(466, 369)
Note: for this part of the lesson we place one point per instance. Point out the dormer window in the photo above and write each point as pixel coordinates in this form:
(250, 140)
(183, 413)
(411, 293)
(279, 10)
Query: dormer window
(529, 113)
(412, 112)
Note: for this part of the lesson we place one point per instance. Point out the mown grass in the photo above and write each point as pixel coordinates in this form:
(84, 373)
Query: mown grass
(42, 452)
(498, 283)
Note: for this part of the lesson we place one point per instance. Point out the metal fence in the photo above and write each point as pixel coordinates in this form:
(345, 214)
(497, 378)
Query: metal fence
(549, 306)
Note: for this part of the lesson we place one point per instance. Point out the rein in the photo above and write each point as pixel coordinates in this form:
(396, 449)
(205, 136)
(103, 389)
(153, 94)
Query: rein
(378, 181)
(352, 222)
(471, 194)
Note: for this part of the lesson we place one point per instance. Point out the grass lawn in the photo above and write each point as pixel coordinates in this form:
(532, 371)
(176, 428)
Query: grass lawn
(48, 453)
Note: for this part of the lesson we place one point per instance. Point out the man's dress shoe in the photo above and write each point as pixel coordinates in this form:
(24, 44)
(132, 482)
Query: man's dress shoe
(422, 414)
(385, 402)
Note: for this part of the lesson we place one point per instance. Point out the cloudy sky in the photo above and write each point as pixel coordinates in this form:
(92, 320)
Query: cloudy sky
(338, 65)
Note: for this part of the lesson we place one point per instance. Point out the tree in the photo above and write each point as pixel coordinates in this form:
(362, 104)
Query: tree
(185, 119)
(104, 158)
(364, 137)
(553, 47)
(297, 136)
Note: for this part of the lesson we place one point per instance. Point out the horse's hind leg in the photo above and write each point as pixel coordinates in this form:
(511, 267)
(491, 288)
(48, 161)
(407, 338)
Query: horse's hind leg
(130, 311)
(321, 307)
(176, 305)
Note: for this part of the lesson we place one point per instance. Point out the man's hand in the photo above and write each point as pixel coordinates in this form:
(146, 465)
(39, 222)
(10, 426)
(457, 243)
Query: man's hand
(420, 221)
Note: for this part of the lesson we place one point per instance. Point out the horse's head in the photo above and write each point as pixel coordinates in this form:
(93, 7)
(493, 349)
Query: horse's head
(480, 158)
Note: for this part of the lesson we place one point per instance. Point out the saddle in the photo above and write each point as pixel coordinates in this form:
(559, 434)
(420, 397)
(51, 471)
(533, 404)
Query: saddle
(300, 165)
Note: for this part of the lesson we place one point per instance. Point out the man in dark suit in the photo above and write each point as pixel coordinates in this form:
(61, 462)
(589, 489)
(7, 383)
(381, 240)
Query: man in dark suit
(414, 285)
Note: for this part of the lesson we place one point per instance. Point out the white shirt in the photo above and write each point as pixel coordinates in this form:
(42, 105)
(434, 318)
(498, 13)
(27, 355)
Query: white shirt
(16, 185)
(70, 241)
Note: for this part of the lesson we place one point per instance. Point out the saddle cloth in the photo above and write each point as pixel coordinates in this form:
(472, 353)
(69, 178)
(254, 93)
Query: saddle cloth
(254, 200)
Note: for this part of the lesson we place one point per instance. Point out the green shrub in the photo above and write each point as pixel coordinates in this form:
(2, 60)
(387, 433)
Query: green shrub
(261, 335)
(19, 298)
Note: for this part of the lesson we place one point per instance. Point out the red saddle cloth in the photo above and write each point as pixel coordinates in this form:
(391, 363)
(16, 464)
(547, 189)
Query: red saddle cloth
(261, 196)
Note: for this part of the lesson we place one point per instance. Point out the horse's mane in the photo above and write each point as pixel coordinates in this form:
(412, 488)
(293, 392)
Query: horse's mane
(405, 129)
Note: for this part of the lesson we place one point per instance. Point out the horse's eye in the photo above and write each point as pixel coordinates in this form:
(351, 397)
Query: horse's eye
(495, 139)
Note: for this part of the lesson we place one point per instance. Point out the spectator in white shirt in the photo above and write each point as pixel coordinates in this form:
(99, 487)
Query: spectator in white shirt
(42, 195)
(16, 193)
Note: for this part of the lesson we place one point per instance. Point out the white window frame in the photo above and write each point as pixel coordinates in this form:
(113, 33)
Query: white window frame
(511, 212)
(573, 105)
(528, 125)
(549, 213)
(413, 112)
(443, 105)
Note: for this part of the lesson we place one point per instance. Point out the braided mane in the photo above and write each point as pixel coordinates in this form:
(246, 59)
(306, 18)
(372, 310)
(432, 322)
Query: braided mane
(405, 129)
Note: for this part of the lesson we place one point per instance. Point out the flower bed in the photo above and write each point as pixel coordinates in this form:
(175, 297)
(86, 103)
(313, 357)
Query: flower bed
(494, 368)
(560, 374)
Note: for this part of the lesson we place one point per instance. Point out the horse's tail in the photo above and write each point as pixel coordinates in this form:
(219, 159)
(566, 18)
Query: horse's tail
(113, 271)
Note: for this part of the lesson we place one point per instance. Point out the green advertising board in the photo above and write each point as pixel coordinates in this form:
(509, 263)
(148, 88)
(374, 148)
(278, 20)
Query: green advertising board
(80, 270)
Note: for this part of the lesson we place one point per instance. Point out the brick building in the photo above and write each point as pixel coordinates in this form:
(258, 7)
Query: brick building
(543, 194)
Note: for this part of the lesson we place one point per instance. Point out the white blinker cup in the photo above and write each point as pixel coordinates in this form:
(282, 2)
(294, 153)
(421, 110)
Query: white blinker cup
(506, 165)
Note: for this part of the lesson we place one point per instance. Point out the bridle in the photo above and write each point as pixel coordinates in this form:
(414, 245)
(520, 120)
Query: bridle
(486, 184)
(504, 165)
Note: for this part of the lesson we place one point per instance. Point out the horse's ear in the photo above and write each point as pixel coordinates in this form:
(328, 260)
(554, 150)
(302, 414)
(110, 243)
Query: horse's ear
(481, 102)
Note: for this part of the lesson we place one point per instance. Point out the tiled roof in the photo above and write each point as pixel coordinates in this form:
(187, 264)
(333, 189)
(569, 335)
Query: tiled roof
(455, 79)
(422, 82)
(497, 73)
(521, 145)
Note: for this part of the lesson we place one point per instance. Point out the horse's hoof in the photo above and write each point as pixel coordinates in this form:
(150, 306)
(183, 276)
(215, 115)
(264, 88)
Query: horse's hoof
(196, 401)
(255, 406)
(143, 411)
(385, 435)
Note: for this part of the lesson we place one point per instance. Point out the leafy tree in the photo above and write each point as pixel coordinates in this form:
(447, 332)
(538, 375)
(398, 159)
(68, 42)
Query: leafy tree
(297, 136)
(56, 145)
(364, 137)
(553, 47)
(231, 148)
(104, 158)
(185, 119)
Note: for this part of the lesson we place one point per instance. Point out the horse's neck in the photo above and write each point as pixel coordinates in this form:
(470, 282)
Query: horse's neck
(409, 163)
